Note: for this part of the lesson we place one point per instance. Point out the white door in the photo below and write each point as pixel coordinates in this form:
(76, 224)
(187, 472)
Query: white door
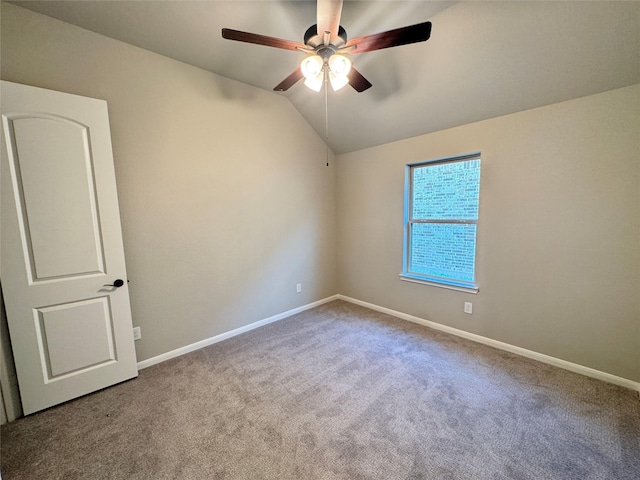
(61, 244)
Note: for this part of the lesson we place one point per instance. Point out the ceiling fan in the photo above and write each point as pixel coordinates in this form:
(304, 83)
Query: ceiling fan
(326, 44)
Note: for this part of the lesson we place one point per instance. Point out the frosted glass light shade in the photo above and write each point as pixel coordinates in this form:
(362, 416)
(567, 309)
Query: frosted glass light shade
(315, 83)
(339, 65)
(337, 82)
(311, 66)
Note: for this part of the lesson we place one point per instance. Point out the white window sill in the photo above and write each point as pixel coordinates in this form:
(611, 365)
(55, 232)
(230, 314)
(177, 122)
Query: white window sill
(459, 288)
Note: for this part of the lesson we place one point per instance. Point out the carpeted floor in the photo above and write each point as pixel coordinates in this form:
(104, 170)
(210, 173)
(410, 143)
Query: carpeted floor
(338, 392)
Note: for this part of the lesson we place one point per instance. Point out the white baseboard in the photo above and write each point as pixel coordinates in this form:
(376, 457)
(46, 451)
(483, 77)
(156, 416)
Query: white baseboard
(223, 336)
(573, 367)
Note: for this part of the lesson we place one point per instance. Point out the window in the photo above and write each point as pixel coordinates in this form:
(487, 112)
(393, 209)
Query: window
(441, 216)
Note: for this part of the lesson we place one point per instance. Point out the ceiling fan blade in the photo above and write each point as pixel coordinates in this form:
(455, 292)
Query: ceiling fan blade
(288, 82)
(247, 37)
(328, 18)
(357, 81)
(392, 38)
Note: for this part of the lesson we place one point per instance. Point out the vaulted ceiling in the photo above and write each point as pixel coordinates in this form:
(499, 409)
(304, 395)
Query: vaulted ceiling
(484, 59)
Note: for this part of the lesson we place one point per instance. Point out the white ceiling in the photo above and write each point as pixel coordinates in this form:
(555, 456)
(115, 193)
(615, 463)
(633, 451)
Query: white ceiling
(484, 59)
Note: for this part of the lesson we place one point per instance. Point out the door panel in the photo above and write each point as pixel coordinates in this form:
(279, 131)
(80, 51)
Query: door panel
(75, 337)
(71, 332)
(53, 180)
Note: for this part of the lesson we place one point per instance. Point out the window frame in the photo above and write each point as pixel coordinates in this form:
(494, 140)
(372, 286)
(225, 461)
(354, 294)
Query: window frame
(407, 275)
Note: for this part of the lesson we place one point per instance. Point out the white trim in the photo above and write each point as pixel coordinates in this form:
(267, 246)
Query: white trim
(455, 158)
(573, 367)
(223, 336)
(408, 278)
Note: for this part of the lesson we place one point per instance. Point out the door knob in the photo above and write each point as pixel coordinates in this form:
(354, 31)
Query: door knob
(118, 283)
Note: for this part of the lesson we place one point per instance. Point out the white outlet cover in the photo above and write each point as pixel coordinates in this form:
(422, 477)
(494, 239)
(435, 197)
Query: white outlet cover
(468, 307)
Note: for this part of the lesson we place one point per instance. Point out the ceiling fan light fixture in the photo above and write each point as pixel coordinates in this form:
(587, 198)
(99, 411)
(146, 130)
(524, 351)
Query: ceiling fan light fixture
(311, 66)
(327, 38)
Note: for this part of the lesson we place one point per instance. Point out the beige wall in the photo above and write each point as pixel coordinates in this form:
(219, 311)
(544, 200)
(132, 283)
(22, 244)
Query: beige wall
(558, 249)
(225, 198)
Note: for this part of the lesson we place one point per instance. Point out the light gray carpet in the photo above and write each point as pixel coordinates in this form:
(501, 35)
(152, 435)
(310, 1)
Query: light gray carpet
(337, 392)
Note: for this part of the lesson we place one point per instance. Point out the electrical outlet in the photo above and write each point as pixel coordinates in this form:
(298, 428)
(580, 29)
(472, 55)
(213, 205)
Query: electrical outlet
(137, 335)
(468, 307)
(298, 287)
